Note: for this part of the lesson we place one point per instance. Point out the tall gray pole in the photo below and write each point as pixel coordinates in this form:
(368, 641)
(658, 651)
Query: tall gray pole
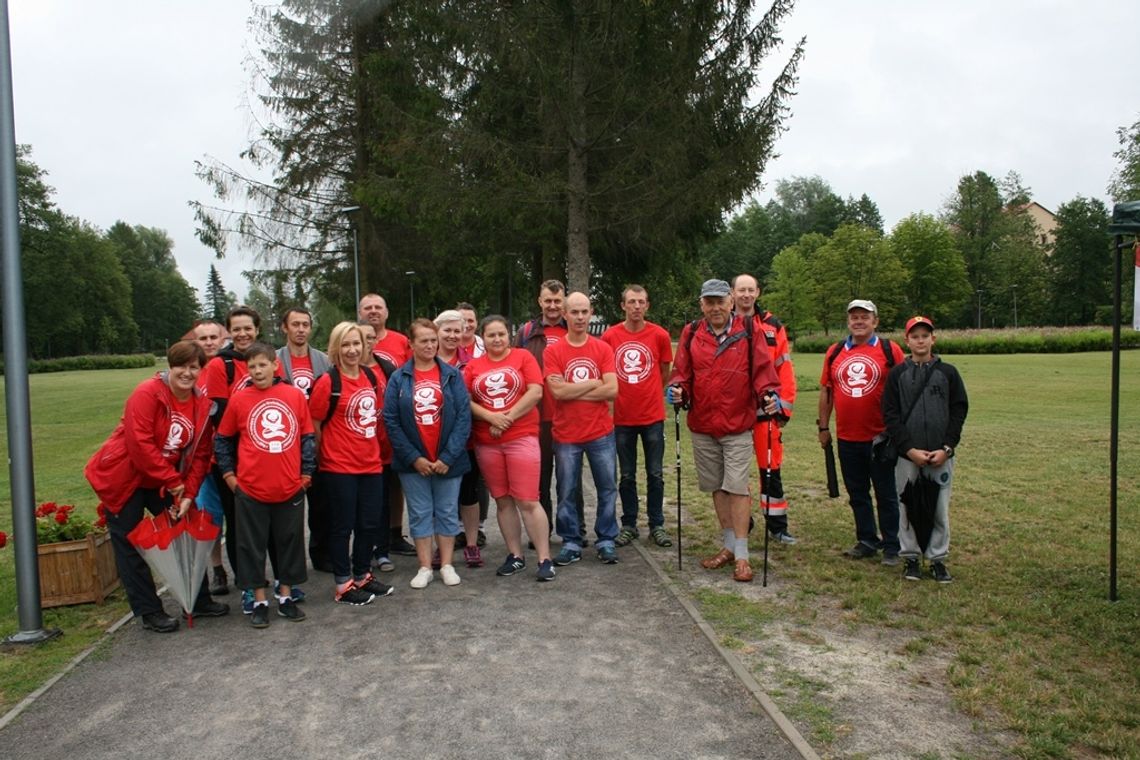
(16, 368)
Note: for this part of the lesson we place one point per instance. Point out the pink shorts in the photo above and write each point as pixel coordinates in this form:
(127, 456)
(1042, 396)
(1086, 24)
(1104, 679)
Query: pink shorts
(511, 468)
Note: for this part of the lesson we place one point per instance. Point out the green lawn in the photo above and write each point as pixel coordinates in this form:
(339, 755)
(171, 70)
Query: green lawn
(1034, 646)
(72, 413)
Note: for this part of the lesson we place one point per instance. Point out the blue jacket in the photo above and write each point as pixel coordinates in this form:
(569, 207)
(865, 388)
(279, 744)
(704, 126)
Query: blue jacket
(400, 422)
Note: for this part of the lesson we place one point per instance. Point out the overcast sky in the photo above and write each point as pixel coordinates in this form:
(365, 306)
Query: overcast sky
(897, 99)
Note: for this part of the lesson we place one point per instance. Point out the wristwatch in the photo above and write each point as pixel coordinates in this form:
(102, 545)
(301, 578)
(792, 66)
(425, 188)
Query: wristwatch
(949, 450)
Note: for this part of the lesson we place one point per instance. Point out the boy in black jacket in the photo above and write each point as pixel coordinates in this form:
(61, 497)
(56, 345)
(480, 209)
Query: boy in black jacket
(924, 407)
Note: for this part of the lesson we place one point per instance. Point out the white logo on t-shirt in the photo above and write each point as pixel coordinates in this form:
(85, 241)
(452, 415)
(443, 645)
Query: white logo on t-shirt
(272, 426)
(634, 362)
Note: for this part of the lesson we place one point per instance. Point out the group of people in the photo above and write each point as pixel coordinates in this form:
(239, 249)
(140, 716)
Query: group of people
(457, 410)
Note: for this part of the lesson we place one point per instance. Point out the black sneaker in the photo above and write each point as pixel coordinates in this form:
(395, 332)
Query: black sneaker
(210, 609)
(545, 570)
(289, 610)
(159, 622)
(403, 547)
(259, 618)
(511, 565)
(861, 551)
(481, 539)
(913, 571)
(348, 593)
(370, 585)
(940, 573)
(219, 582)
(890, 559)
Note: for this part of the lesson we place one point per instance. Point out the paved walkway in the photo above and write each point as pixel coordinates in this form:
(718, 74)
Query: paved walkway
(603, 662)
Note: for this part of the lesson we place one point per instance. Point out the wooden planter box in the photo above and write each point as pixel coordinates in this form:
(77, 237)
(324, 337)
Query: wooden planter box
(76, 572)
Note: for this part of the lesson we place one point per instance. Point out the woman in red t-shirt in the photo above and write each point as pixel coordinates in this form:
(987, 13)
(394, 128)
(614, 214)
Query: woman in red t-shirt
(350, 468)
(506, 387)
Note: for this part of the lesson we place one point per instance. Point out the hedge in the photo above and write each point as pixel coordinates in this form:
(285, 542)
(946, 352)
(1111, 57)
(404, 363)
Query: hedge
(1028, 340)
(95, 361)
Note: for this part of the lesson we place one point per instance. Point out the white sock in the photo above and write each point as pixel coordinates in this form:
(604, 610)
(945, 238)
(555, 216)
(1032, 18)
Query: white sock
(261, 604)
(282, 599)
(741, 550)
(729, 539)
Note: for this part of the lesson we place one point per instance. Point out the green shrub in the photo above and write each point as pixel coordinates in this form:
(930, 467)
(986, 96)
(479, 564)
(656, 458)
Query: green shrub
(1025, 340)
(97, 361)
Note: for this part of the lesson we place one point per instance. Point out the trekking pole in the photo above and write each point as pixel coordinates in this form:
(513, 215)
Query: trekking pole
(765, 497)
(677, 429)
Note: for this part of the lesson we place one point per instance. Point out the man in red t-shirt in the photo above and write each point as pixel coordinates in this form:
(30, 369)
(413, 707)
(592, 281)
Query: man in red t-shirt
(643, 353)
(580, 377)
(852, 382)
(393, 347)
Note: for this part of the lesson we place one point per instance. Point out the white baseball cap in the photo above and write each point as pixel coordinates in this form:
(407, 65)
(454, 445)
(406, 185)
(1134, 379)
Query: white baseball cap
(863, 304)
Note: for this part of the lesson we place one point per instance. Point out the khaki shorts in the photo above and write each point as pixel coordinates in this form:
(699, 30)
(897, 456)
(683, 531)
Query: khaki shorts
(724, 463)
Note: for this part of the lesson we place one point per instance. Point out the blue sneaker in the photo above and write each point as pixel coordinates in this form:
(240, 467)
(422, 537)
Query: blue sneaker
(567, 557)
(295, 593)
(247, 601)
(545, 570)
(608, 555)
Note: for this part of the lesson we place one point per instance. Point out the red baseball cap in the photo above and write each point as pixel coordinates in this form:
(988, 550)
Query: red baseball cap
(915, 321)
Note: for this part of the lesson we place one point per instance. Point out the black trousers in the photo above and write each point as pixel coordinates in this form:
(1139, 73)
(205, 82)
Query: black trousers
(134, 572)
(280, 525)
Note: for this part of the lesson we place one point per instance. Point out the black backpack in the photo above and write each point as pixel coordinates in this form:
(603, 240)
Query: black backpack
(334, 394)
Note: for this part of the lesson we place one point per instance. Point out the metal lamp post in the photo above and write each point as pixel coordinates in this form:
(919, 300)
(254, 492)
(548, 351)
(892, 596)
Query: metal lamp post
(1125, 223)
(412, 294)
(980, 291)
(348, 211)
(1014, 288)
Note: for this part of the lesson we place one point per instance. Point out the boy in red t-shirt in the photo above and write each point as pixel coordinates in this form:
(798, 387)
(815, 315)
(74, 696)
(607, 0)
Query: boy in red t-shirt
(853, 379)
(266, 451)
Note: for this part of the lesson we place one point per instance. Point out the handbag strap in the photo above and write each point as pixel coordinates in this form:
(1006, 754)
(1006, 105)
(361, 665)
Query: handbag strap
(914, 403)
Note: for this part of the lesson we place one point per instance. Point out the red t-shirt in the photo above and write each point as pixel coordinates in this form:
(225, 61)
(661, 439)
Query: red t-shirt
(350, 441)
(269, 424)
(497, 386)
(427, 406)
(394, 347)
(553, 334)
(857, 378)
(638, 357)
(579, 421)
(302, 371)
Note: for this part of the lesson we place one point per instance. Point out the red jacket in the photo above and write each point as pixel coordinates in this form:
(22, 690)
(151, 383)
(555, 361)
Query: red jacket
(133, 458)
(715, 377)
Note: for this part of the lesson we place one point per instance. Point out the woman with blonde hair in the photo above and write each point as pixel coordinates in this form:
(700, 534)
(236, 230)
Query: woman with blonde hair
(345, 404)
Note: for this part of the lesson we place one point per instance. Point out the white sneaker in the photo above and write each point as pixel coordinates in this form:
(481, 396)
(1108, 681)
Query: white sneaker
(450, 577)
(424, 577)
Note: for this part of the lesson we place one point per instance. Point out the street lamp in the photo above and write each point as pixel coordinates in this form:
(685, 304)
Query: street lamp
(1014, 288)
(980, 291)
(348, 211)
(412, 292)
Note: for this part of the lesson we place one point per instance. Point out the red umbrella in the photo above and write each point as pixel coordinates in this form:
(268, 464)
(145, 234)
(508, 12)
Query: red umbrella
(178, 550)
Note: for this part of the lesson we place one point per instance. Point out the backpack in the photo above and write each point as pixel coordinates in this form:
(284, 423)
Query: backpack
(334, 394)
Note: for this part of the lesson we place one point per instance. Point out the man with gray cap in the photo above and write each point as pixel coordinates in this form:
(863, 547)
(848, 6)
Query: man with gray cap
(854, 376)
(723, 373)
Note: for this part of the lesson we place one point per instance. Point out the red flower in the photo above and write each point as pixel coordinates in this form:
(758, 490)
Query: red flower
(61, 517)
(45, 509)
(65, 508)
(3, 539)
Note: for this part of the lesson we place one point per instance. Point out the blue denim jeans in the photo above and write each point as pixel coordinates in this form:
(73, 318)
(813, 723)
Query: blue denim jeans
(568, 468)
(433, 504)
(653, 446)
(860, 474)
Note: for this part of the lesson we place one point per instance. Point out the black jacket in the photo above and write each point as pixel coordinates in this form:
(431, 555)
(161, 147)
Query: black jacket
(937, 415)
